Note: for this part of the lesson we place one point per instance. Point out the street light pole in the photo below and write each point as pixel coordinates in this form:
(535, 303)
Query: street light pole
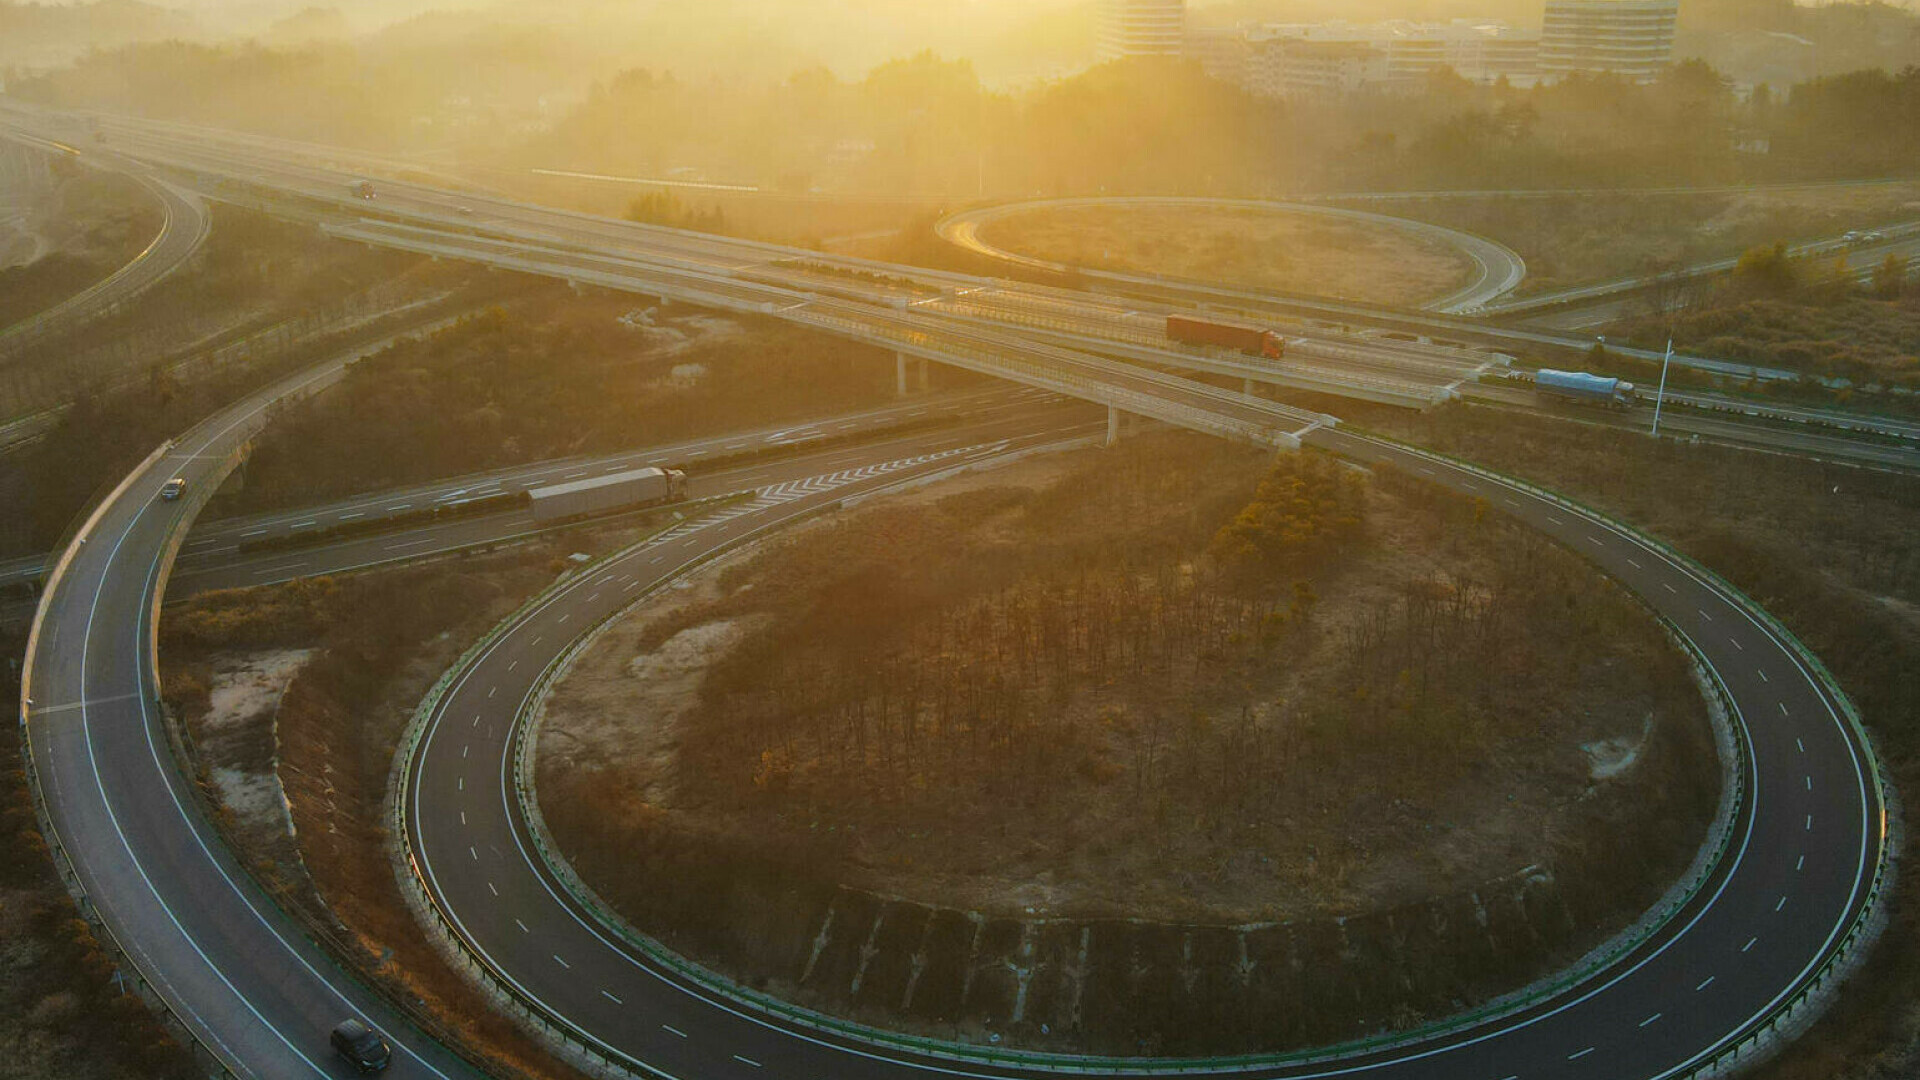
(1661, 397)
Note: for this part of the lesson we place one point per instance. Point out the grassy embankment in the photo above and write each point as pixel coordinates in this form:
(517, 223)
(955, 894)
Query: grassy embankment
(1257, 249)
(378, 641)
(1109, 696)
(93, 224)
(1572, 239)
(549, 377)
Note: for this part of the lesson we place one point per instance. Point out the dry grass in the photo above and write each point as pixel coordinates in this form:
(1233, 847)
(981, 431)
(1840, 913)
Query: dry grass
(1263, 249)
(1074, 709)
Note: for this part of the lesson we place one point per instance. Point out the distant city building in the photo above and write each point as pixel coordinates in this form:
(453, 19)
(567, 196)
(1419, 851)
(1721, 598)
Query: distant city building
(1141, 28)
(1629, 38)
(1290, 59)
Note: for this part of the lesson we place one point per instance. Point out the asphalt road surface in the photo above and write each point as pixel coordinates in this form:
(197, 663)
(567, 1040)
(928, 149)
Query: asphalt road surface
(1806, 846)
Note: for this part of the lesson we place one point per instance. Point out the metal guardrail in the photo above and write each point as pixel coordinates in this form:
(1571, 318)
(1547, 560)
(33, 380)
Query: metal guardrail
(1707, 870)
(1830, 686)
(63, 860)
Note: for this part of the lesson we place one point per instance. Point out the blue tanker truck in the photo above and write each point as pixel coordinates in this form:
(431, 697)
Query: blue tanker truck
(1583, 387)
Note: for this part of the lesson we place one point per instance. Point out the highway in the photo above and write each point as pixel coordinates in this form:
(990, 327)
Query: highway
(1806, 859)
(839, 294)
(1807, 850)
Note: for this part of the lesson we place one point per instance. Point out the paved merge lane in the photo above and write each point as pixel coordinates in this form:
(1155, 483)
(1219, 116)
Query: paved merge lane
(1791, 883)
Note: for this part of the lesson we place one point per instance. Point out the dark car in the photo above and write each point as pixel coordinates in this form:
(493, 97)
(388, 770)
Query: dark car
(362, 1046)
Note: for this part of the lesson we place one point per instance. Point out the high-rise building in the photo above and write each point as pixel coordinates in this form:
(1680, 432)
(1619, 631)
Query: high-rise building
(1141, 28)
(1629, 38)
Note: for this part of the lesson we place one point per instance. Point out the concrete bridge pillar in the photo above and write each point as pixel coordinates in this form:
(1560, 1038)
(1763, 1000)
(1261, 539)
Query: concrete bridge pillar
(900, 374)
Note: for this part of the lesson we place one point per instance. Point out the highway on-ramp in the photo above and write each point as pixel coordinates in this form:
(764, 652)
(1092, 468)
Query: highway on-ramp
(183, 227)
(255, 995)
(1805, 853)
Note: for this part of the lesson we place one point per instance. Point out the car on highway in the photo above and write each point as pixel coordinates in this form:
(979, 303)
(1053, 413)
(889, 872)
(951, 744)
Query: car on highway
(362, 1046)
(173, 488)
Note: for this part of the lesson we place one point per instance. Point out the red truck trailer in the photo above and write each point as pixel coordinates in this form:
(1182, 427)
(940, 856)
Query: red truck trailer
(1252, 340)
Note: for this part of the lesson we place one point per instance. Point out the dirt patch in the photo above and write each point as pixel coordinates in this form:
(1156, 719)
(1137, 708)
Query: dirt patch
(361, 651)
(1264, 249)
(1050, 722)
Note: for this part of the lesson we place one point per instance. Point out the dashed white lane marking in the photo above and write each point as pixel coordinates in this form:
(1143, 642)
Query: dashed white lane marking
(1783, 708)
(671, 1030)
(491, 889)
(511, 664)
(355, 514)
(522, 926)
(655, 559)
(1596, 541)
(562, 963)
(1762, 672)
(567, 616)
(1800, 862)
(592, 598)
(465, 748)
(402, 506)
(538, 638)
(1578, 1054)
(1781, 904)
(1749, 944)
(307, 524)
(492, 690)
(1426, 470)
(611, 998)
(746, 1061)
(1703, 614)
(1736, 644)
(1809, 782)
(1809, 822)
(1798, 743)
(1670, 588)
(1635, 565)
(1511, 502)
(463, 817)
(460, 783)
(1555, 520)
(631, 587)
(1650, 1019)
(1704, 983)
(255, 532)
(473, 853)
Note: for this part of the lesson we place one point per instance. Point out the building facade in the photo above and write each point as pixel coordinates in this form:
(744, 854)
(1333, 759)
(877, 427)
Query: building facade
(1141, 28)
(1286, 60)
(1629, 38)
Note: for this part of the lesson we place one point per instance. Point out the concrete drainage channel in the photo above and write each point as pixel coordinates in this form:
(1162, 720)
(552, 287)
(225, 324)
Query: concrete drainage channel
(577, 1046)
